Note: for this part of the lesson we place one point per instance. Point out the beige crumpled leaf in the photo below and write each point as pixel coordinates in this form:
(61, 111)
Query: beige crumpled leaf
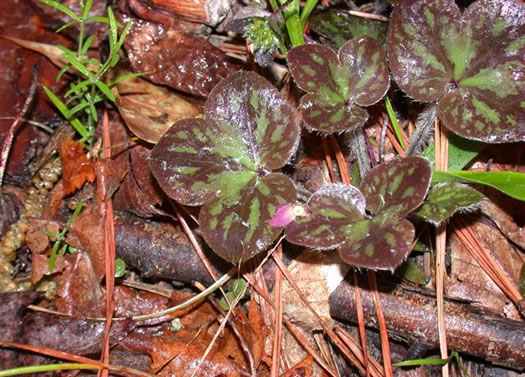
(317, 275)
(149, 109)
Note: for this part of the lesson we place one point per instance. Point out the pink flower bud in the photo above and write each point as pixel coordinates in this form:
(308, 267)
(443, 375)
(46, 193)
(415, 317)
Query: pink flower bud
(286, 213)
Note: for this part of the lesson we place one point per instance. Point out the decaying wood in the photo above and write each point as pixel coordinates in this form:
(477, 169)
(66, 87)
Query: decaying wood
(162, 252)
(411, 317)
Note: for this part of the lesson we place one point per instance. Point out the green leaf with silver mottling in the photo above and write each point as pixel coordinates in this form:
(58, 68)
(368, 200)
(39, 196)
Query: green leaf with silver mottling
(337, 85)
(225, 162)
(331, 209)
(337, 27)
(446, 199)
(471, 62)
(397, 187)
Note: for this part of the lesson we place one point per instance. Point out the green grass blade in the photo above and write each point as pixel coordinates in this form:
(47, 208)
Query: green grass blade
(307, 11)
(65, 26)
(87, 44)
(113, 30)
(77, 125)
(61, 8)
(79, 66)
(87, 8)
(63, 70)
(104, 89)
(510, 183)
(395, 124)
(417, 362)
(77, 87)
(126, 77)
(47, 368)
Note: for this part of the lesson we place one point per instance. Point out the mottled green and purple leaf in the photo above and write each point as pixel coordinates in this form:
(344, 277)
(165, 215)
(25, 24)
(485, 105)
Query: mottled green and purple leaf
(338, 84)
(225, 162)
(446, 199)
(397, 187)
(471, 62)
(338, 218)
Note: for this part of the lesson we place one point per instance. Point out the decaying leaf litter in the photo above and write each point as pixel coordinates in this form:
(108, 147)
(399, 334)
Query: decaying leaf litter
(192, 170)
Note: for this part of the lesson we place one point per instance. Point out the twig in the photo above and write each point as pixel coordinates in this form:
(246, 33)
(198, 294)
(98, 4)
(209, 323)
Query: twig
(8, 141)
(385, 346)
(109, 251)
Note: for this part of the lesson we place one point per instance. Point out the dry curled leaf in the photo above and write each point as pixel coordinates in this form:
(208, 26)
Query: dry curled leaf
(77, 169)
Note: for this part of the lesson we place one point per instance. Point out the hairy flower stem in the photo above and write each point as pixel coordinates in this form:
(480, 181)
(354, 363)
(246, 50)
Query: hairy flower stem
(360, 151)
(424, 129)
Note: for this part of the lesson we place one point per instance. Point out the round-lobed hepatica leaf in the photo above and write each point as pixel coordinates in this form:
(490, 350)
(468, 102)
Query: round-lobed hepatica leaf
(446, 199)
(471, 62)
(337, 84)
(224, 163)
(332, 208)
(378, 245)
(398, 187)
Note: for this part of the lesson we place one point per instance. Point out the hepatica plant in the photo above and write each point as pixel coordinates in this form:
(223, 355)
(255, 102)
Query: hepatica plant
(337, 85)
(225, 163)
(471, 63)
(368, 224)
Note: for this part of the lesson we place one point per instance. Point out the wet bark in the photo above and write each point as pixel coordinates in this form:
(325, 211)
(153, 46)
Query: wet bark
(412, 317)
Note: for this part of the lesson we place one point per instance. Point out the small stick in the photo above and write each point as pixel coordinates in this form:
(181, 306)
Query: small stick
(8, 141)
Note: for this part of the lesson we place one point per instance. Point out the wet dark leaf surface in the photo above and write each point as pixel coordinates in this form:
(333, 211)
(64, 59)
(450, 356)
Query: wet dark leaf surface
(471, 62)
(176, 59)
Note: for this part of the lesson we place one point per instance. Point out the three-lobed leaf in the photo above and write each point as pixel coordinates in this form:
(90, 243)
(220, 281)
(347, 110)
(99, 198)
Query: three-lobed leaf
(471, 62)
(338, 218)
(225, 162)
(337, 85)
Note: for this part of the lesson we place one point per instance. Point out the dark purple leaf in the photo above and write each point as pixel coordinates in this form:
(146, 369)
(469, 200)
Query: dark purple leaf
(237, 226)
(332, 209)
(225, 163)
(472, 63)
(398, 187)
(336, 84)
(337, 215)
(376, 245)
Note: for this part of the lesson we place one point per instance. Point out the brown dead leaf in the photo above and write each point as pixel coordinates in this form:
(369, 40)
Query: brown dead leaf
(139, 193)
(88, 230)
(149, 109)
(171, 57)
(77, 169)
(186, 346)
(302, 369)
(79, 293)
(317, 275)
(259, 332)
